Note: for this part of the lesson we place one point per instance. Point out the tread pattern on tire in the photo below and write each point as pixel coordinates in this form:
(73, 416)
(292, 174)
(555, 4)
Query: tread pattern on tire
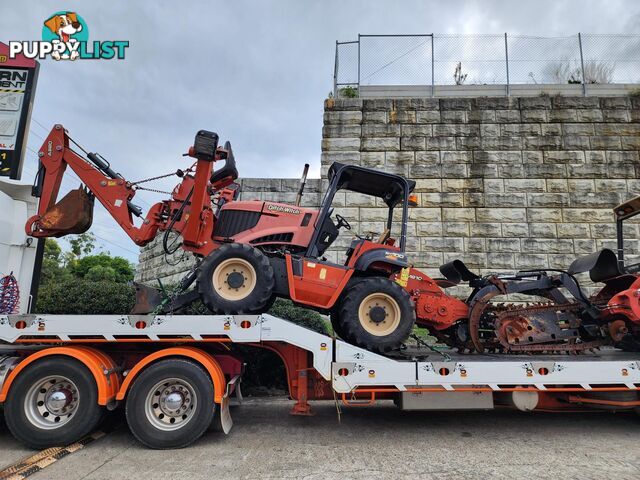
(349, 322)
(136, 418)
(265, 279)
(87, 417)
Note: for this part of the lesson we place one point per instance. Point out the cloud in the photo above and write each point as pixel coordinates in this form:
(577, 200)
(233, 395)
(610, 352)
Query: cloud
(256, 72)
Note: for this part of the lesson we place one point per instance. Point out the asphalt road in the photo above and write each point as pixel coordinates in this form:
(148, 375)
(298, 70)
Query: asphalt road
(380, 442)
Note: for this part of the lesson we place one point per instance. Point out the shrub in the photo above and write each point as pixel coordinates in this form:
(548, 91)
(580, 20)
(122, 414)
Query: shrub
(82, 296)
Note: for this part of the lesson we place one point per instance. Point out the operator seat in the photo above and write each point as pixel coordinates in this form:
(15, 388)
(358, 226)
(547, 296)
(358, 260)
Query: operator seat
(229, 170)
(601, 265)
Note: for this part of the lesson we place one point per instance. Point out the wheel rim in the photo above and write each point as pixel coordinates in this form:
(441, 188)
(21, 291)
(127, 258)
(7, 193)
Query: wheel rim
(51, 402)
(379, 314)
(234, 279)
(171, 404)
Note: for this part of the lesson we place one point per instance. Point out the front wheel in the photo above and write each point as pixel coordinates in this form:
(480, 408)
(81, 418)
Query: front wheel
(52, 402)
(236, 279)
(376, 314)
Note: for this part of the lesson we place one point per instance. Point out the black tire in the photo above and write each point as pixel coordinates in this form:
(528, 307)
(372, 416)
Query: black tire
(27, 411)
(257, 275)
(147, 405)
(382, 299)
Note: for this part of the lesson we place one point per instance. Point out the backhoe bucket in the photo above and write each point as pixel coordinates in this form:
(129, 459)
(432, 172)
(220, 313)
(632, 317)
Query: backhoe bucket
(72, 214)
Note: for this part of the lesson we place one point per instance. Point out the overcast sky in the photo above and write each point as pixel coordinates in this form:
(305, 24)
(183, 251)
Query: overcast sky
(256, 72)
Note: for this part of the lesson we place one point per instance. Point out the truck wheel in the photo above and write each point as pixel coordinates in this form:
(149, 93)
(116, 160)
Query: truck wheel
(376, 314)
(236, 279)
(53, 402)
(170, 404)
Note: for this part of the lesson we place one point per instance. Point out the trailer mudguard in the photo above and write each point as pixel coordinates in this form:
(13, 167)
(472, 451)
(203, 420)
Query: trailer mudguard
(101, 366)
(207, 361)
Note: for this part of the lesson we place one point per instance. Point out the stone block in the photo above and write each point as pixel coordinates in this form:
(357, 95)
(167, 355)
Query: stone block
(380, 144)
(425, 171)
(492, 185)
(453, 116)
(546, 170)
(455, 104)
(518, 230)
(535, 103)
(503, 245)
(341, 131)
(507, 116)
(486, 229)
(578, 128)
(455, 229)
(616, 115)
(544, 215)
(428, 185)
(340, 144)
(587, 171)
(567, 115)
(399, 158)
(427, 158)
(456, 157)
(521, 129)
(581, 185)
(343, 104)
(596, 200)
(483, 171)
(543, 230)
(563, 156)
(556, 245)
(441, 244)
(474, 245)
(534, 116)
(342, 118)
(377, 105)
(429, 229)
(562, 102)
(619, 186)
(583, 247)
(412, 143)
(508, 157)
(462, 185)
(595, 156)
(532, 156)
(380, 130)
(402, 116)
(551, 129)
(420, 103)
(543, 143)
(528, 185)
(586, 215)
(459, 214)
(440, 143)
(613, 156)
(423, 214)
(556, 185)
(456, 130)
(372, 159)
(350, 157)
(605, 142)
(531, 260)
(481, 116)
(427, 116)
(504, 215)
(475, 199)
(573, 230)
(613, 129)
(490, 130)
(418, 130)
(500, 260)
(547, 199)
(576, 142)
(589, 115)
(630, 143)
(615, 102)
(506, 199)
(374, 117)
(442, 199)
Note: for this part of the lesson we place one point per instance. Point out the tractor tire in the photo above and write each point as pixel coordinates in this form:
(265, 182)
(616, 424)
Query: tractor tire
(376, 314)
(54, 401)
(236, 279)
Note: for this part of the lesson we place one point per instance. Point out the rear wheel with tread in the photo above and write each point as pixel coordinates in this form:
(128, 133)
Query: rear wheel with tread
(170, 404)
(376, 314)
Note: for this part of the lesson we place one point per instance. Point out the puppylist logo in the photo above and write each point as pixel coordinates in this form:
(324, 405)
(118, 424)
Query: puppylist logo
(65, 36)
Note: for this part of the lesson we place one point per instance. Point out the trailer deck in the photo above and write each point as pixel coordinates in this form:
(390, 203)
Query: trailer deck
(318, 366)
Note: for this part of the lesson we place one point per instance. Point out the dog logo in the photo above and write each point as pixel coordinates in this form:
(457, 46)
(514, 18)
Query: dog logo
(65, 36)
(66, 28)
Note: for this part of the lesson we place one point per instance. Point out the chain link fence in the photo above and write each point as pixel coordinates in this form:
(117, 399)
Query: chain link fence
(430, 60)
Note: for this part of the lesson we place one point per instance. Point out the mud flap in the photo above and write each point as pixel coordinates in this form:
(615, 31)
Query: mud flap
(222, 421)
(73, 214)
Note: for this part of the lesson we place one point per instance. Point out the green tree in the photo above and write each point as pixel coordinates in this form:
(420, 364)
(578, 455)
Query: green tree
(103, 266)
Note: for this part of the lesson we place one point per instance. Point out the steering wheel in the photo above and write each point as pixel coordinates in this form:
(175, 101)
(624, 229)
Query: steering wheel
(342, 222)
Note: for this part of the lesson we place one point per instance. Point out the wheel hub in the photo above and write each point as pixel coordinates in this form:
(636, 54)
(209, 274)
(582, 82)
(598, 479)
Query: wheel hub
(170, 404)
(235, 280)
(51, 402)
(377, 314)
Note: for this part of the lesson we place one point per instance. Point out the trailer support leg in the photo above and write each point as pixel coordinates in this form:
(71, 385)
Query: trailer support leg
(301, 382)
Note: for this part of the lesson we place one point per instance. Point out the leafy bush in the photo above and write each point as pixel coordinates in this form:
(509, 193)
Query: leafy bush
(82, 296)
(103, 267)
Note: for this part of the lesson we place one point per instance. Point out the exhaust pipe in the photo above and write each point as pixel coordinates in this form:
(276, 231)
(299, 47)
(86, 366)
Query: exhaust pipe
(303, 181)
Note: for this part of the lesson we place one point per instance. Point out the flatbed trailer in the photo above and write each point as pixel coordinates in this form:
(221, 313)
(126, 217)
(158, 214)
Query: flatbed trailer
(175, 374)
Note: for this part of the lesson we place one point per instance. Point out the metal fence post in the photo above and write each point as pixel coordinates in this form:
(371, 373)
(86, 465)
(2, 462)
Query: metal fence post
(335, 74)
(433, 69)
(506, 57)
(358, 64)
(584, 80)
